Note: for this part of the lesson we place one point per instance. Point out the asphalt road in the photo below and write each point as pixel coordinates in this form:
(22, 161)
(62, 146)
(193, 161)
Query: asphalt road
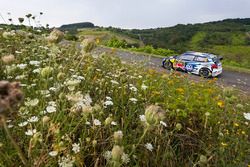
(237, 80)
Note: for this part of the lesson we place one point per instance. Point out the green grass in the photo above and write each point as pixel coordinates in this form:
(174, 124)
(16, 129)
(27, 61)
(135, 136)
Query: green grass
(105, 35)
(238, 56)
(103, 112)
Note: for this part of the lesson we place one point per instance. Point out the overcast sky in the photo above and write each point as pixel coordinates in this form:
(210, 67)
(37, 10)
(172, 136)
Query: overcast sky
(126, 13)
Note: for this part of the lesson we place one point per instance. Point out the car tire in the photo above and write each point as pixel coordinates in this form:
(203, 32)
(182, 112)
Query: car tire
(167, 64)
(205, 72)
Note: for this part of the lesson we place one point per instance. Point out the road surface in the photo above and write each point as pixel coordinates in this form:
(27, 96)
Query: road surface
(237, 80)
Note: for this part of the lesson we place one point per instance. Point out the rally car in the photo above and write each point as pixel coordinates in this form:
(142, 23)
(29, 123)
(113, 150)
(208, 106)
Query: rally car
(203, 64)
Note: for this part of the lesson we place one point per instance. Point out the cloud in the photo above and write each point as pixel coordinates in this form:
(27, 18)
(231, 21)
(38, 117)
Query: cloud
(128, 13)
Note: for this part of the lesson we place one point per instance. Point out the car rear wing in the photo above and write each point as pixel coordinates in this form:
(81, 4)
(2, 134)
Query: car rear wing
(220, 57)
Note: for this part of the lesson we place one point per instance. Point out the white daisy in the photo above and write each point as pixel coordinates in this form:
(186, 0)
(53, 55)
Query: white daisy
(53, 153)
(163, 123)
(51, 109)
(66, 161)
(30, 132)
(125, 158)
(33, 119)
(149, 146)
(107, 155)
(76, 148)
(247, 116)
(108, 103)
(142, 118)
(96, 122)
(113, 123)
(22, 124)
(134, 100)
(144, 87)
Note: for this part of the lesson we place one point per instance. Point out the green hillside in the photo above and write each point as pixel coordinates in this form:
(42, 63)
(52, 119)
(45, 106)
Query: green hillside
(229, 38)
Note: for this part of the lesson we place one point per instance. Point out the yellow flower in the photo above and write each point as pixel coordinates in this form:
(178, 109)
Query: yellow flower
(180, 90)
(97, 41)
(224, 144)
(243, 132)
(236, 124)
(221, 104)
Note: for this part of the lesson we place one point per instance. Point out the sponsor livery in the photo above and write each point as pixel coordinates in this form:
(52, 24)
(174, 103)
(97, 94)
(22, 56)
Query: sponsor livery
(203, 64)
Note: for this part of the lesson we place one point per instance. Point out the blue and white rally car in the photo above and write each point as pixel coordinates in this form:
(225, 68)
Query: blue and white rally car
(203, 64)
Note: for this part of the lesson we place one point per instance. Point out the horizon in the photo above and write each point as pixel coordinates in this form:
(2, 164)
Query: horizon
(126, 14)
(155, 27)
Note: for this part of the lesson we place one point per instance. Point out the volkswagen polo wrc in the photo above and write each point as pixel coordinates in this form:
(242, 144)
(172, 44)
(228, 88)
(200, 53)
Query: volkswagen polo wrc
(203, 64)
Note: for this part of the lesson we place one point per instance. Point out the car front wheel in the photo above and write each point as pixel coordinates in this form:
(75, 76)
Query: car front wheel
(167, 64)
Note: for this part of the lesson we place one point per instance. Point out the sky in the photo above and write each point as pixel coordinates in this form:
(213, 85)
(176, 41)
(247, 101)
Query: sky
(125, 13)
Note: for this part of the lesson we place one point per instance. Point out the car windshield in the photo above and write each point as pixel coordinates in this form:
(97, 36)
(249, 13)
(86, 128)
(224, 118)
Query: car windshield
(188, 57)
(201, 59)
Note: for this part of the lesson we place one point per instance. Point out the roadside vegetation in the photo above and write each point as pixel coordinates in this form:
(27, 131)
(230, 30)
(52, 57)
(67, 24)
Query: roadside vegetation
(80, 109)
(229, 38)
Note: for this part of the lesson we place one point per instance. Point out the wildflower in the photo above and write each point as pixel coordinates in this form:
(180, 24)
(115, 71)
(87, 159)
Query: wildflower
(46, 72)
(149, 146)
(163, 123)
(224, 144)
(8, 59)
(247, 116)
(221, 104)
(117, 153)
(125, 158)
(134, 100)
(178, 126)
(108, 103)
(10, 126)
(94, 143)
(10, 96)
(22, 66)
(133, 88)
(239, 106)
(236, 124)
(30, 132)
(108, 120)
(96, 122)
(87, 123)
(207, 114)
(35, 63)
(60, 76)
(87, 100)
(76, 148)
(113, 123)
(33, 119)
(142, 118)
(108, 98)
(51, 109)
(38, 70)
(154, 114)
(45, 119)
(203, 159)
(180, 90)
(22, 124)
(107, 155)
(144, 87)
(55, 36)
(53, 153)
(114, 82)
(118, 136)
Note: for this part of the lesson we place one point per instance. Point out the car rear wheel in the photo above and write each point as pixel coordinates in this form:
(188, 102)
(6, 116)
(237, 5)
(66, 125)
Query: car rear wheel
(205, 72)
(167, 65)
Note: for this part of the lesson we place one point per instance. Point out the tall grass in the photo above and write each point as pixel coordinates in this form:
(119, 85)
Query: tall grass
(94, 110)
